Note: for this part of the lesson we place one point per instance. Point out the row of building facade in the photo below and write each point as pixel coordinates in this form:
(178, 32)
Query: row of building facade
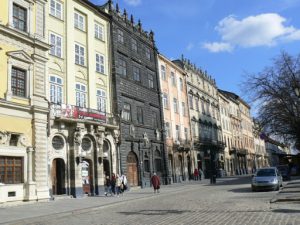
(85, 93)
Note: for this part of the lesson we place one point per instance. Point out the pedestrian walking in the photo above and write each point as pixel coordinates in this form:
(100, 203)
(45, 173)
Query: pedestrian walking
(155, 183)
(107, 185)
(200, 173)
(118, 185)
(124, 183)
(196, 174)
(113, 183)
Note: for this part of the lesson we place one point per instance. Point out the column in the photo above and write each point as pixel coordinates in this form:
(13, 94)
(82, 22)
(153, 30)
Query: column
(30, 185)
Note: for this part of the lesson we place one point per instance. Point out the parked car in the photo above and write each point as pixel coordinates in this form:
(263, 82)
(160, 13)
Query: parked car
(285, 172)
(268, 178)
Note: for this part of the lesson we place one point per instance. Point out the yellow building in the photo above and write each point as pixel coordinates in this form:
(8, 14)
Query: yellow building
(83, 135)
(23, 105)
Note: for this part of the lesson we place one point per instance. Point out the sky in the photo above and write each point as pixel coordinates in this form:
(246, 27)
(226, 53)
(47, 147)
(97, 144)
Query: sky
(227, 38)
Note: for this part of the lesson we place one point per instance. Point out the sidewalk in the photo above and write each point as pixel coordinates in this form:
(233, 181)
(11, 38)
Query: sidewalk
(70, 206)
(290, 192)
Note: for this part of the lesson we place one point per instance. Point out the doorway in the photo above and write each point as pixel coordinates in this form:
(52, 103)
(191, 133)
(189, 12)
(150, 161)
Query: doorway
(87, 176)
(58, 177)
(132, 171)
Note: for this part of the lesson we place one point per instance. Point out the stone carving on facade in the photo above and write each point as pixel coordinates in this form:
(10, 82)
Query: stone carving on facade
(100, 136)
(157, 134)
(132, 130)
(116, 135)
(23, 140)
(78, 136)
(145, 139)
(4, 137)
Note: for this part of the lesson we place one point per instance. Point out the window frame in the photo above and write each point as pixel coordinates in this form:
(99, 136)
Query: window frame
(56, 86)
(136, 76)
(100, 64)
(80, 57)
(163, 72)
(4, 170)
(77, 23)
(140, 115)
(150, 81)
(126, 112)
(25, 20)
(101, 100)
(122, 67)
(56, 2)
(99, 31)
(24, 80)
(120, 36)
(55, 46)
(81, 95)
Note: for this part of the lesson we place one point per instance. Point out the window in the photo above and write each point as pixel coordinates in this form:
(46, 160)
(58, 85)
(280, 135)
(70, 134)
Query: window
(146, 163)
(79, 55)
(18, 82)
(79, 21)
(186, 134)
(183, 108)
(194, 128)
(101, 100)
(150, 81)
(165, 100)
(120, 37)
(163, 72)
(81, 93)
(202, 107)
(11, 170)
(134, 46)
(173, 79)
(122, 67)
(99, 63)
(154, 120)
(136, 74)
(167, 129)
(99, 31)
(181, 84)
(140, 115)
(56, 88)
(197, 103)
(56, 9)
(148, 54)
(56, 45)
(191, 101)
(19, 17)
(175, 105)
(126, 115)
(177, 134)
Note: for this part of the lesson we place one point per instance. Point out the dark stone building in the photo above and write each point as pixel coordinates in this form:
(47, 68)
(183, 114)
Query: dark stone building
(136, 99)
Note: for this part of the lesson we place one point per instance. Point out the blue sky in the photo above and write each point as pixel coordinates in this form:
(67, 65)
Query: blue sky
(228, 38)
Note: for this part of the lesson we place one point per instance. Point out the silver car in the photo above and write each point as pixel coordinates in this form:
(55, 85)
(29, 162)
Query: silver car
(266, 179)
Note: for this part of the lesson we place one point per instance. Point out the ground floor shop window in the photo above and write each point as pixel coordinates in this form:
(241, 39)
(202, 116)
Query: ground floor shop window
(11, 170)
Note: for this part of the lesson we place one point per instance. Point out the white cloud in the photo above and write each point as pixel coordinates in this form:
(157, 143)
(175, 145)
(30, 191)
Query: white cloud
(190, 46)
(133, 2)
(218, 47)
(260, 30)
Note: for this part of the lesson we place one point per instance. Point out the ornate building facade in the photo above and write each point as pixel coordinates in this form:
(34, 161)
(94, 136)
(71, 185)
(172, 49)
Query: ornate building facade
(204, 114)
(83, 132)
(23, 105)
(136, 99)
(176, 120)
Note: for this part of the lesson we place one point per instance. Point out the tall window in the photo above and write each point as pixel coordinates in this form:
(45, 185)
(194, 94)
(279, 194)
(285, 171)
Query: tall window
(175, 105)
(183, 111)
(163, 72)
(148, 54)
(197, 103)
(101, 100)
(158, 164)
(99, 31)
(136, 74)
(56, 45)
(126, 114)
(120, 37)
(181, 84)
(18, 82)
(194, 128)
(165, 100)
(146, 163)
(167, 129)
(186, 134)
(11, 170)
(154, 120)
(177, 134)
(173, 79)
(19, 17)
(122, 70)
(56, 9)
(79, 54)
(79, 21)
(202, 106)
(81, 95)
(56, 89)
(191, 101)
(134, 46)
(139, 112)
(99, 63)
(150, 81)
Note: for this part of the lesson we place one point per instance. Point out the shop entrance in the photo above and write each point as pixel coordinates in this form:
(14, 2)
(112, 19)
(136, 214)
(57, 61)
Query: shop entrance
(58, 177)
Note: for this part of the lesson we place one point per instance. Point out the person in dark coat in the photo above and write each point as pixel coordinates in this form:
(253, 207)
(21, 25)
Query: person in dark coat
(155, 183)
(113, 183)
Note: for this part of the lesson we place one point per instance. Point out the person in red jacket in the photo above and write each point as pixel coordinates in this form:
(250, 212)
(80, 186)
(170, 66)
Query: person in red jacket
(155, 183)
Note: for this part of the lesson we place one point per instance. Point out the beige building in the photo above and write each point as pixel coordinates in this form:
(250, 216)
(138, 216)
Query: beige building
(176, 119)
(83, 133)
(23, 105)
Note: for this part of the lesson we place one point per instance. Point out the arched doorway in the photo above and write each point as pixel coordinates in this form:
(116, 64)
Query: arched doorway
(181, 168)
(87, 176)
(58, 177)
(132, 169)
(106, 159)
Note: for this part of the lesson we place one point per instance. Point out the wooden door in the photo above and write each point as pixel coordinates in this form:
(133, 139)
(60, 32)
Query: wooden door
(132, 172)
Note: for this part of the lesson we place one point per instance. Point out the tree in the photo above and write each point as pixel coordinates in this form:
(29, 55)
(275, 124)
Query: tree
(273, 91)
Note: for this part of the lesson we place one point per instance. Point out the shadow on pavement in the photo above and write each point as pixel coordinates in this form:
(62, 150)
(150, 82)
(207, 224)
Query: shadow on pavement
(241, 190)
(233, 181)
(286, 210)
(155, 212)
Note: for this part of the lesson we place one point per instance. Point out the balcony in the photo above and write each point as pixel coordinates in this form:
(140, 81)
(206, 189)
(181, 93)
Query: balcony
(76, 113)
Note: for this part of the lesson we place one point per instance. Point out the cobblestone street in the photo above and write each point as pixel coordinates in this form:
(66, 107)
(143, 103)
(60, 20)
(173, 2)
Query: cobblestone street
(229, 202)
